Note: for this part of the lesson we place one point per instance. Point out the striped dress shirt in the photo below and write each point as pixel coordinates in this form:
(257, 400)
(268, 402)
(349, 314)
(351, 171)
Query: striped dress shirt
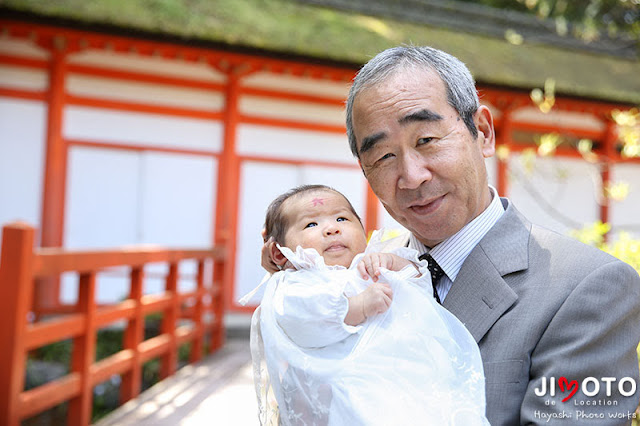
(452, 252)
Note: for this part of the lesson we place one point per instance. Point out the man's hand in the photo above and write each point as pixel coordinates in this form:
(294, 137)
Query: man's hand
(371, 263)
(375, 300)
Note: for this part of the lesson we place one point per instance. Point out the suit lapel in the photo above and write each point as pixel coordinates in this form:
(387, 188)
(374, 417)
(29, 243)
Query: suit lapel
(479, 295)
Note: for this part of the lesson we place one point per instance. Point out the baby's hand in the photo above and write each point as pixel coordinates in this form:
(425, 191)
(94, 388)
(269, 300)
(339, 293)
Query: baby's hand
(375, 300)
(371, 263)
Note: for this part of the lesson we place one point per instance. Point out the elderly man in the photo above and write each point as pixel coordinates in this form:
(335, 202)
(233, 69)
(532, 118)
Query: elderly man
(557, 322)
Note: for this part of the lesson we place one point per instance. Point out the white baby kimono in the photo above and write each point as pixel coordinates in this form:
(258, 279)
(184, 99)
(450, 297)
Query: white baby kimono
(415, 364)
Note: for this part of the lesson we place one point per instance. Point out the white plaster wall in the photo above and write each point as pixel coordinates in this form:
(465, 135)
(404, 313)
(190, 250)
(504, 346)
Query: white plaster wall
(154, 198)
(272, 142)
(102, 200)
(145, 93)
(22, 48)
(13, 77)
(293, 84)
(625, 215)
(149, 65)
(153, 130)
(559, 194)
(292, 110)
(177, 199)
(100, 212)
(559, 118)
(22, 153)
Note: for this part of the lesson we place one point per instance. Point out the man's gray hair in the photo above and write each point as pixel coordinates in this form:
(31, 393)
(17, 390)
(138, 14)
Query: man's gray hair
(458, 81)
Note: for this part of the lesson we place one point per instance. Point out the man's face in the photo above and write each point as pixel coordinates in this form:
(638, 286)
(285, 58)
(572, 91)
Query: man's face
(419, 157)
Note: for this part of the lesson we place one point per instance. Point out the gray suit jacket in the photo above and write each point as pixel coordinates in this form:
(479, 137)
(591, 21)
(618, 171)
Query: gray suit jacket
(542, 306)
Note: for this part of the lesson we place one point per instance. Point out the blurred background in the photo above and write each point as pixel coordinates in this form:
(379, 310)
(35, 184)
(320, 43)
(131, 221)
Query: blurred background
(175, 122)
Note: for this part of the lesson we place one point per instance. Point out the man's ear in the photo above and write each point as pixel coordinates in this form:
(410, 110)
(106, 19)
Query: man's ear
(486, 131)
(277, 256)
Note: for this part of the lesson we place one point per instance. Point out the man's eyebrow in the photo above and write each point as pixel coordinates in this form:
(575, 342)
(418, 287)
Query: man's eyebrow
(370, 141)
(422, 115)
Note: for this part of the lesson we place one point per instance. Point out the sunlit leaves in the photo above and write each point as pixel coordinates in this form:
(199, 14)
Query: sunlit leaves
(513, 37)
(588, 20)
(593, 234)
(628, 122)
(626, 118)
(585, 148)
(548, 143)
(624, 247)
(545, 100)
(617, 191)
(503, 152)
(528, 159)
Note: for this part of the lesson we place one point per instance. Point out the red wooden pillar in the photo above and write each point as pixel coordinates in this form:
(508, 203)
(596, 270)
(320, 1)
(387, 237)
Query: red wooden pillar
(227, 199)
(55, 170)
(84, 352)
(609, 140)
(16, 287)
(169, 361)
(196, 346)
(503, 139)
(133, 336)
(371, 213)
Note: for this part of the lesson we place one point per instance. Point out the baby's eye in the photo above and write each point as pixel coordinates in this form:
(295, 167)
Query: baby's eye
(311, 225)
(341, 219)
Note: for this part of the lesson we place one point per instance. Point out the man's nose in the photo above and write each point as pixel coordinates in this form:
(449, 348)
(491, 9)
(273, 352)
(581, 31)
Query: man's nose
(414, 171)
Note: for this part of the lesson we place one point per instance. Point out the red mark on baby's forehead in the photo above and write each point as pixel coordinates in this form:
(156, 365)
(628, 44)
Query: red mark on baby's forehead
(317, 202)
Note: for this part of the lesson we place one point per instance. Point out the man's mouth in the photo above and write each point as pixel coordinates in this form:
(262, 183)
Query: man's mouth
(428, 206)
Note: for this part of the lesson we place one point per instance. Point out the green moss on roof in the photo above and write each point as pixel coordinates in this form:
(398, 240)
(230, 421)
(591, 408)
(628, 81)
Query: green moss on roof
(287, 26)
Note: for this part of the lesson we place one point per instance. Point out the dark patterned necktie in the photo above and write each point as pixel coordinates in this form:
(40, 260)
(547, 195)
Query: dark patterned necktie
(436, 273)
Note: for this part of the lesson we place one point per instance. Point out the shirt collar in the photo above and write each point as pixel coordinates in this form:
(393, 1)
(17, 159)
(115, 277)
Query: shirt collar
(452, 252)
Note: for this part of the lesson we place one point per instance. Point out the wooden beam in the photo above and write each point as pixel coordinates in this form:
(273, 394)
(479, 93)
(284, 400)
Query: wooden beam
(16, 287)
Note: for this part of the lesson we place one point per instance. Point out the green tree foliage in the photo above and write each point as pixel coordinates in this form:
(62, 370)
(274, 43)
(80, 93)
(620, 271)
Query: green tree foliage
(587, 19)
(624, 247)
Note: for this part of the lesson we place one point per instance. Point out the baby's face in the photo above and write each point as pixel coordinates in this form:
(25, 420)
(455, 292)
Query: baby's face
(322, 220)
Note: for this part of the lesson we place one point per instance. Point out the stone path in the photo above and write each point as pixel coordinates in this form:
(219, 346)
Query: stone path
(217, 391)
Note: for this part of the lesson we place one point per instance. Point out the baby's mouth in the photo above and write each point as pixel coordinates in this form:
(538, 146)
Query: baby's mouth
(335, 247)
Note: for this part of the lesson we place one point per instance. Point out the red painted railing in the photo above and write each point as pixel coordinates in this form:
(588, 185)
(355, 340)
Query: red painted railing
(21, 266)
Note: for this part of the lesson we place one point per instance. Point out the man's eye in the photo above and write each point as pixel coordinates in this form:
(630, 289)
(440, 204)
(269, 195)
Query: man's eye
(424, 141)
(384, 157)
(311, 225)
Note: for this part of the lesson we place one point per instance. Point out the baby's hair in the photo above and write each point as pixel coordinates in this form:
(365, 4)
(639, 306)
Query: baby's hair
(276, 222)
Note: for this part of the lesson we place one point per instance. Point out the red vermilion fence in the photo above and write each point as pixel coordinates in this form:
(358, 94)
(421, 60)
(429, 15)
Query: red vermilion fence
(21, 265)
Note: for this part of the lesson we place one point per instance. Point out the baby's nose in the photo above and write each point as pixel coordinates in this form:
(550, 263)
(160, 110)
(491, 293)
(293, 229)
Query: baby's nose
(330, 230)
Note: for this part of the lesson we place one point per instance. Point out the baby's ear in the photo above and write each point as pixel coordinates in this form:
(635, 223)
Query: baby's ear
(277, 256)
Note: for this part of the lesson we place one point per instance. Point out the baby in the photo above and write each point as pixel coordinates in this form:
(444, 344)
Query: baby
(318, 217)
(337, 350)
